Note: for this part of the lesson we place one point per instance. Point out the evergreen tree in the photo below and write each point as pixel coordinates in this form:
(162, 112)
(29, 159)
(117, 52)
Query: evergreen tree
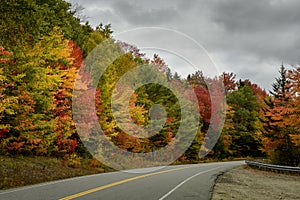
(278, 123)
(281, 87)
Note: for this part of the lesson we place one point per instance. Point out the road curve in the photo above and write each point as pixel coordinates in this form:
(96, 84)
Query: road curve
(171, 182)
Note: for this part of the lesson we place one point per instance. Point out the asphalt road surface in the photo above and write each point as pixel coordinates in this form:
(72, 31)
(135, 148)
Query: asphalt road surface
(171, 182)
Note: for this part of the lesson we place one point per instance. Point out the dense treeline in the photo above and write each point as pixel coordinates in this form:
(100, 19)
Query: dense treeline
(259, 124)
(42, 47)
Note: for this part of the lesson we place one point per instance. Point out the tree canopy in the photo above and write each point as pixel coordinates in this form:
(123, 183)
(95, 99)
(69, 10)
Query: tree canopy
(43, 45)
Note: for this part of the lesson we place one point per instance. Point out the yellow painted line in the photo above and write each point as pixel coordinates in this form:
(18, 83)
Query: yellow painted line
(118, 183)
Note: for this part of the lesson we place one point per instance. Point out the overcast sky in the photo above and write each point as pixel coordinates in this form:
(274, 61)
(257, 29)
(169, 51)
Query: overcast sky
(249, 38)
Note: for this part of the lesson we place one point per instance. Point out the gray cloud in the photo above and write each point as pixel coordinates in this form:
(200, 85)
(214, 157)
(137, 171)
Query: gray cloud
(142, 15)
(256, 15)
(264, 27)
(250, 38)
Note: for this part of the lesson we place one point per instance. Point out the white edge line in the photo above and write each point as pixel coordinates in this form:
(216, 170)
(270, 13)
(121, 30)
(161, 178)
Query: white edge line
(186, 180)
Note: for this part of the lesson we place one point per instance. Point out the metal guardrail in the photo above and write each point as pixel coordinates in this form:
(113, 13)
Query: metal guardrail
(273, 167)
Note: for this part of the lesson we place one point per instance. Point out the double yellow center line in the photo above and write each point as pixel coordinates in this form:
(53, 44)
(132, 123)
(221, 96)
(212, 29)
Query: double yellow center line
(118, 183)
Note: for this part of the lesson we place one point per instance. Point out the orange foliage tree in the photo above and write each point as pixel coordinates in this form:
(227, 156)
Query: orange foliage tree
(281, 121)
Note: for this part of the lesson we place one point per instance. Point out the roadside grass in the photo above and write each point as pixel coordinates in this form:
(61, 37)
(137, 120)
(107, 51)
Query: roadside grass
(22, 170)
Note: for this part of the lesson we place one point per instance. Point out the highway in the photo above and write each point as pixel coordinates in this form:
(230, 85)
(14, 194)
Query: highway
(172, 182)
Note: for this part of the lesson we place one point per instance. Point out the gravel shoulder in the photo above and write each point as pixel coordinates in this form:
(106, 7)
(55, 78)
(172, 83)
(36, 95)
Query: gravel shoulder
(247, 183)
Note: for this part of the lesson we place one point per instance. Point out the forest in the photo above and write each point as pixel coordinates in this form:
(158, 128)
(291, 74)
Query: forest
(44, 44)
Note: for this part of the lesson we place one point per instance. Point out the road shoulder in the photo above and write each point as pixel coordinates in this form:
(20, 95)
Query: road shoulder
(247, 183)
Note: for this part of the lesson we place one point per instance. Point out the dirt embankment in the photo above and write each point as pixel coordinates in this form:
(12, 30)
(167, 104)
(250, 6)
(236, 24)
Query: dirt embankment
(247, 183)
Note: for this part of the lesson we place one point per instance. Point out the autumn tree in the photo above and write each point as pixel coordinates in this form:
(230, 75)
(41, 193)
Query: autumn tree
(278, 123)
(7, 103)
(64, 132)
(197, 78)
(199, 83)
(294, 77)
(40, 87)
(160, 64)
(242, 125)
(24, 22)
(229, 82)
